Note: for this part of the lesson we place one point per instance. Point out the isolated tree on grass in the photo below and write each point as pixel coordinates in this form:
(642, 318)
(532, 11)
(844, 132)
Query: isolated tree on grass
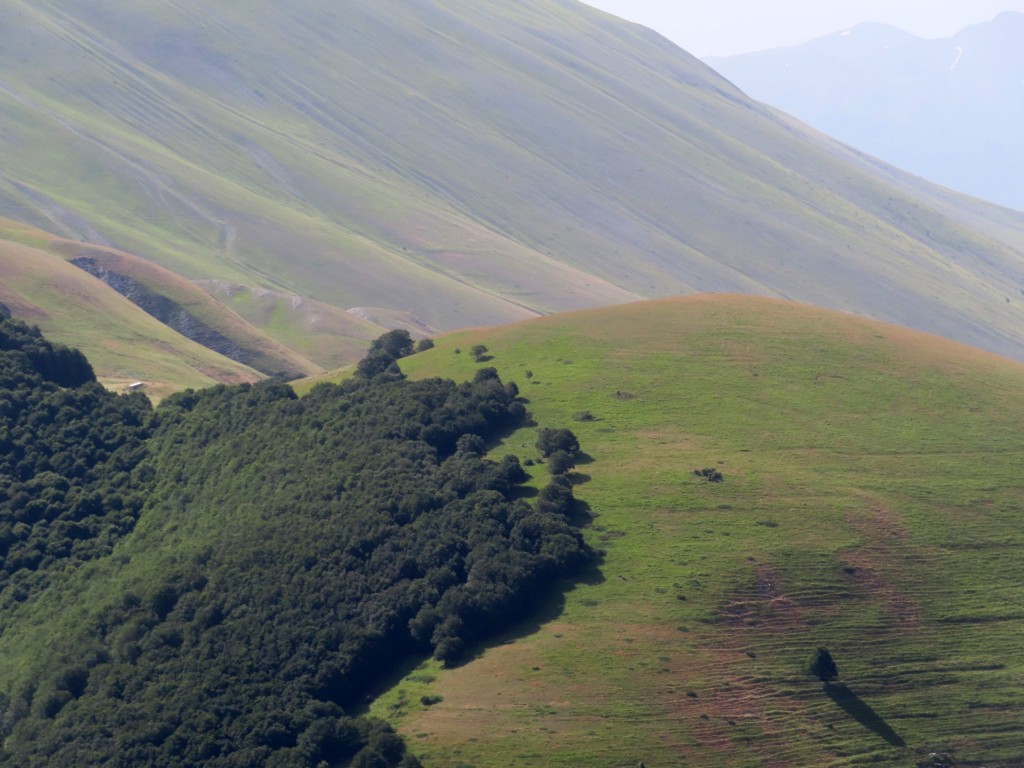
(478, 351)
(823, 666)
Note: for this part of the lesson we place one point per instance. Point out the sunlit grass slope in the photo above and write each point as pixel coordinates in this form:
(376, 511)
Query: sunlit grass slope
(467, 161)
(123, 343)
(871, 503)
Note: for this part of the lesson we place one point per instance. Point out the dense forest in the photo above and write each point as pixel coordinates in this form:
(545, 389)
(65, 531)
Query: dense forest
(267, 558)
(67, 451)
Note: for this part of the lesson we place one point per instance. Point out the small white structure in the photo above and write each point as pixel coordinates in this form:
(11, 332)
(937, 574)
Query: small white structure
(136, 386)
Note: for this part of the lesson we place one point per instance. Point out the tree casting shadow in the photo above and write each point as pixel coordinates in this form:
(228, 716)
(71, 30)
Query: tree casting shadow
(861, 711)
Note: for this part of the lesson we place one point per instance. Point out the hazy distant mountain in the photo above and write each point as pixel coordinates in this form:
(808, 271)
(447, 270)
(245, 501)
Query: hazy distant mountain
(464, 162)
(950, 110)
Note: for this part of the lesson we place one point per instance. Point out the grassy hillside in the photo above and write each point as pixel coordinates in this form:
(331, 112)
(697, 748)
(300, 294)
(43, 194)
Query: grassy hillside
(123, 343)
(871, 504)
(331, 336)
(465, 161)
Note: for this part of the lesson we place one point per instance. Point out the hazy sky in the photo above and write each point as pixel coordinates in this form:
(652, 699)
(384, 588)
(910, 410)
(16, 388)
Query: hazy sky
(726, 27)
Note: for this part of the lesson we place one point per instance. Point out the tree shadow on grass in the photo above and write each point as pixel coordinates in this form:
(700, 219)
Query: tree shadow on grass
(862, 712)
(548, 607)
(581, 516)
(578, 478)
(583, 459)
(388, 680)
(525, 492)
(502, 435)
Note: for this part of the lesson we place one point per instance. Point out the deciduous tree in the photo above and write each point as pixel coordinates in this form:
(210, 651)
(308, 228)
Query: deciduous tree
(823, 666)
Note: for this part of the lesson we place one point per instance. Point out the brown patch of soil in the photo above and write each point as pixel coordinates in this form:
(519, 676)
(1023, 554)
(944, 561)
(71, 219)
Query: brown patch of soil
(764, 604)
(741, 711)
(878, 525)
(867, 565)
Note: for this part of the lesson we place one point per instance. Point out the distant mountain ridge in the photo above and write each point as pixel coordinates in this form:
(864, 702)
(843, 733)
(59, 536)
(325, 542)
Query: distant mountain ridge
(949, 110)
(452, 163)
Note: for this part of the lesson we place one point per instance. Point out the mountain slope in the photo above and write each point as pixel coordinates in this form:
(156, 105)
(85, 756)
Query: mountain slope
(870, 504)
(467, 162)
(946, 109)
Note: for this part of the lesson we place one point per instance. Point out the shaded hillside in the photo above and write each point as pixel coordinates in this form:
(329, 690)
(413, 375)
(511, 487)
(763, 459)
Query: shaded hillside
(948, 109)
(466, 162)
(870, 503)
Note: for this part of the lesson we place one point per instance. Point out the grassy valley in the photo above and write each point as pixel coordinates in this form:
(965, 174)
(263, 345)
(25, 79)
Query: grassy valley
(264, 332)
(318, 331)
(237, 543)
(870, 504)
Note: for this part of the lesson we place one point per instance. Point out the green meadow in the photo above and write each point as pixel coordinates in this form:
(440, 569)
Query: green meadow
(871, 504)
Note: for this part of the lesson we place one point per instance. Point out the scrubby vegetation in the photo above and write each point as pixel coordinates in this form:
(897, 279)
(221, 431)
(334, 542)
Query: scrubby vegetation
(272, 559)
(710, 474)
